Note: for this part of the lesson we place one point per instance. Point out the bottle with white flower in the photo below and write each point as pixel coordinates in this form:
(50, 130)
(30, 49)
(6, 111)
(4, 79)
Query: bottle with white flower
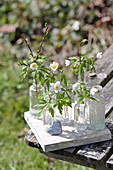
(48, 102)
(97, 109)
(81, 64)
(80, 115)
(35, 92)
(34, 65)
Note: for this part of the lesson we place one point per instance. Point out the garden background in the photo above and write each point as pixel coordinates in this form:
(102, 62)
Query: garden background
(26, 18)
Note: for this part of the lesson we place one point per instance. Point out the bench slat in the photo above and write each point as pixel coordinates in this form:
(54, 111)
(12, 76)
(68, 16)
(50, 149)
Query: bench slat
(108, 93)
(97, 151)
(105, 65)
(110, 162)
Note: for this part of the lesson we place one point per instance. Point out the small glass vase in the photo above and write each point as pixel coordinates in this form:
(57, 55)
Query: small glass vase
(97, 110)
(66, 118)
(82, 78)
(92, 79)
(47, 120)
(35, 92)
(47, 117)
(80, 117)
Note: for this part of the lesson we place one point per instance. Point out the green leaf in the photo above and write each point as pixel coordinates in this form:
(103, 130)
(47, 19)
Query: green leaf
(51, 110)
(41, 76)
(62, 71)
(81, 69)
(71, 58)
(40, 64)
(83, 42)
(48, 84)
(25, 62)
(32, 59)
(45, 70)
(60, 107)
(44, 57)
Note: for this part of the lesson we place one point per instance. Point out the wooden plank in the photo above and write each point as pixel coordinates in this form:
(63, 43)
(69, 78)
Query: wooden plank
(105, 65)
(68, 138)
(110, 162)
(108, 93)
(97, 151)
(109, 124)
(94, 156)
(69, 157)
(31, 140)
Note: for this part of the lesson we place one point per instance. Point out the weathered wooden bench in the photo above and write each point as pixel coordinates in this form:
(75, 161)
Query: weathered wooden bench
(98, 155)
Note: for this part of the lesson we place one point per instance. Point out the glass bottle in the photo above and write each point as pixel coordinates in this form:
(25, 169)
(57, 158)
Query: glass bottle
(80, 117)
(47, 120)
(97, 109)
(47, 117)
(66, 118)
(92, 79)
(82, 78)
(35, 92)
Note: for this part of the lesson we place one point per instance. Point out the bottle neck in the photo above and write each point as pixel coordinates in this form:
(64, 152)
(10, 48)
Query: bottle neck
(92, 82)
(98, 94)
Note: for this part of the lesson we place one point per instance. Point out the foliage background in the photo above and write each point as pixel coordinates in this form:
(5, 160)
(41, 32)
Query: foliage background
(26, 18)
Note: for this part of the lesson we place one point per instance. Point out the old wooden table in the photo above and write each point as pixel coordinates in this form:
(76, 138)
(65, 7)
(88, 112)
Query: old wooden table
(98, 155)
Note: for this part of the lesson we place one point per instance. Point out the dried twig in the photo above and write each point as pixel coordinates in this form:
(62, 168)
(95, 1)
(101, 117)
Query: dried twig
(31, 53)
(43, 39)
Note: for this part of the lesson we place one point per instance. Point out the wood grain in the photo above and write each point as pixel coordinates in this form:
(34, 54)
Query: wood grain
(105, 65)
(108, 93)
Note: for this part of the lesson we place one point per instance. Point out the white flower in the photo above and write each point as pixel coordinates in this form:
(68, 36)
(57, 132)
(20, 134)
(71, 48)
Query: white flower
(74, 87)
(67, 62)
(52, 87)
(57, 87)
(76, 25)
(54, 66)
(99, 55)
(93, 91)
(33, 66)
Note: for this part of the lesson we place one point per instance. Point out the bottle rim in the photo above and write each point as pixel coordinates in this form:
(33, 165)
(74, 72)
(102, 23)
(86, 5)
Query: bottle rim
(92, 75)
(98, 87)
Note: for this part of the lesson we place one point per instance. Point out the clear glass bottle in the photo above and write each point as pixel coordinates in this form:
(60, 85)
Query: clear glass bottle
(80, 117)
(66, 118)
(83, 77)
(97, 109)
(47, 117)
(47, 120)
(92, 79)
(35, 92)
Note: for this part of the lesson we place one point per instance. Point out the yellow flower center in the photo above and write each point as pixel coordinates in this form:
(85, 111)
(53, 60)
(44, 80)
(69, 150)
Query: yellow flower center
(75, 87)
(34, 65)
(56, 87)
(54, 67)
